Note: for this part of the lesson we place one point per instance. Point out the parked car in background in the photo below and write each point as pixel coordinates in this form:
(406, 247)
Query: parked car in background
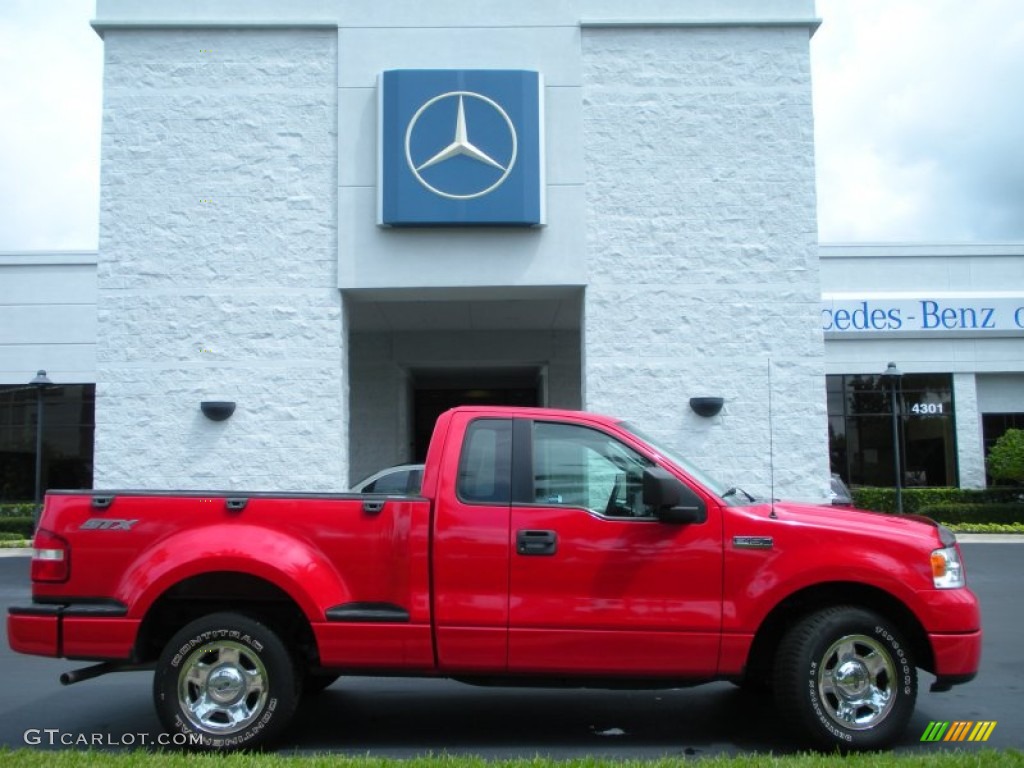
(839, 494)
(403, 480)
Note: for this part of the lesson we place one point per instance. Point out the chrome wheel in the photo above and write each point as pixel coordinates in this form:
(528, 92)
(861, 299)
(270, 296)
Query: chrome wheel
(225, 681)
(856, 681)
(846, 679)
(222, 687)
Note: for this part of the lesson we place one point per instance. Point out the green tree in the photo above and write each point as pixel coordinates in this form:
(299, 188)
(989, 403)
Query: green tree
(1006, 459)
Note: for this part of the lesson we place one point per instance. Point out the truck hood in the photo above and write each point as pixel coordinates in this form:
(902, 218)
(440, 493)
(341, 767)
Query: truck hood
(861, 521)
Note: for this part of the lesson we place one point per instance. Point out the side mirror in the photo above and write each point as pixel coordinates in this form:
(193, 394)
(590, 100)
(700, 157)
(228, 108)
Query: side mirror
(673, 501)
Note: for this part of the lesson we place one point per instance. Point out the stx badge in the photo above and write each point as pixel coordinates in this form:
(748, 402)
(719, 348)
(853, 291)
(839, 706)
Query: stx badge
(98, 524)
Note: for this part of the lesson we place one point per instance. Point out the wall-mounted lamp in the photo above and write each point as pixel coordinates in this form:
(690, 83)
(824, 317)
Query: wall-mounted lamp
(217, 410)
(706, 406)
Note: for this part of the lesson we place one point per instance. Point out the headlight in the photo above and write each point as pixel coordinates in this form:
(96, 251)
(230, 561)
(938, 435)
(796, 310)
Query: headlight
(947, 570)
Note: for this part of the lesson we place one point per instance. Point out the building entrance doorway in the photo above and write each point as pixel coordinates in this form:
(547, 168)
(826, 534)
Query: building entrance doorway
(413, 355)
(434, 392)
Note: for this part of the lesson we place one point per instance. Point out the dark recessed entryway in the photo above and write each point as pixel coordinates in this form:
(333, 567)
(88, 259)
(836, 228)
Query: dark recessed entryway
(414, 354)
(434, 392)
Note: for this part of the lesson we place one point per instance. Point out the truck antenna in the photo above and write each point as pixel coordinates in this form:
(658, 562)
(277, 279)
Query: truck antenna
(771, 446)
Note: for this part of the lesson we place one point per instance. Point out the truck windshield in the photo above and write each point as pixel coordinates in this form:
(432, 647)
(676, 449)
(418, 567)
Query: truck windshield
(712, 484)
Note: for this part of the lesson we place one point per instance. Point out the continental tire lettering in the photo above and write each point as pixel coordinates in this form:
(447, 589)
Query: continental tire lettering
(235, 740)
(206, 637)
(901, 658)
(823, 718)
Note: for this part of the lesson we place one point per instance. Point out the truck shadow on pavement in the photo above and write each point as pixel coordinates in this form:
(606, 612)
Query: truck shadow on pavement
(409, 718)
(404, 717)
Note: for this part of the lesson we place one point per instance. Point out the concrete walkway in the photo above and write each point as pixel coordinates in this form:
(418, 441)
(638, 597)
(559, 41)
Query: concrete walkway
(990, 538)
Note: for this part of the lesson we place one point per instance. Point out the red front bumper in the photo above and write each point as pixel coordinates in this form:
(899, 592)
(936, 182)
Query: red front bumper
(957, 657)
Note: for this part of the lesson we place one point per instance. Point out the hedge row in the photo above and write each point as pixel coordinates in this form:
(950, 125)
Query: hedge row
(975, 513)
(19, 525)
(915, 500)
(20, 509)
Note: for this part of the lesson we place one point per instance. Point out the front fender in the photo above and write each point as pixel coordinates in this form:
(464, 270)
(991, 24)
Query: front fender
(756, 591)
(288, 563)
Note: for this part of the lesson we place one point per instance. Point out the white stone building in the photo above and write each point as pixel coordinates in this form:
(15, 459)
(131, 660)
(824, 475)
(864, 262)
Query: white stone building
(242, 257)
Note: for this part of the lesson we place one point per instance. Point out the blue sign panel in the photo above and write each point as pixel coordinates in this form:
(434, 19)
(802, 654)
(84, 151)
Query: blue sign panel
(460, 147)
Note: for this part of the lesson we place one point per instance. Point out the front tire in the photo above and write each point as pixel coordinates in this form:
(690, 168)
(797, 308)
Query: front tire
(846, 678)
(226, 682)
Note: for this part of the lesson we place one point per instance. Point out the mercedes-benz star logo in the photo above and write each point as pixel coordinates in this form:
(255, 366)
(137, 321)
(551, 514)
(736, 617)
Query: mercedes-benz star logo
(461, 146)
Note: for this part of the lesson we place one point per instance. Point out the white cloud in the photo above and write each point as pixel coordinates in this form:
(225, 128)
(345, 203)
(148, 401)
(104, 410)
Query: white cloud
(50, 100)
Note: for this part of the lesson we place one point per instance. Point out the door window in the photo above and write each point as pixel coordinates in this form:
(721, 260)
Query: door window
(485, 469)
(581, 467)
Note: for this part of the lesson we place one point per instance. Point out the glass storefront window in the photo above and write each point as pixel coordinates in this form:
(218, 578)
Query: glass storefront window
(68, 432)
(860, 412)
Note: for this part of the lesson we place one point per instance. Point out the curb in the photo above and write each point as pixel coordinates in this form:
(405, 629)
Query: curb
(990, 538)
(16, 552)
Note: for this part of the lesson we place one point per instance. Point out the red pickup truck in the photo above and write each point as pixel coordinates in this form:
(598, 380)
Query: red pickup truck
(545, 547)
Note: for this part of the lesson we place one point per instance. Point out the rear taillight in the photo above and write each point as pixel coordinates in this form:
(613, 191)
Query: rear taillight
(51, 557)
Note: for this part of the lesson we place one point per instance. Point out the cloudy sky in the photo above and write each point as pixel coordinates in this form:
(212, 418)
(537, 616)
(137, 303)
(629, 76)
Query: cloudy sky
(918, 121)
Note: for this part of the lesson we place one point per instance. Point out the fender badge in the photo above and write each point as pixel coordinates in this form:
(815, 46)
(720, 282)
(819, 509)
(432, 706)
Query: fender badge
(753, 542)
(98, 524)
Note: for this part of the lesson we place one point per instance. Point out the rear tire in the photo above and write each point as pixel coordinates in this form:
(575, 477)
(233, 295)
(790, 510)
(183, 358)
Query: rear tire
(225, 682)
(846, 678)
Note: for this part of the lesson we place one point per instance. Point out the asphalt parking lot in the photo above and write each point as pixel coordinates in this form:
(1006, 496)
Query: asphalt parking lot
(405, 718)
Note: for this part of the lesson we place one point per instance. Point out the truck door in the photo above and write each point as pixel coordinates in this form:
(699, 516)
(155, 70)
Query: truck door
(597, 584)
(470, 547)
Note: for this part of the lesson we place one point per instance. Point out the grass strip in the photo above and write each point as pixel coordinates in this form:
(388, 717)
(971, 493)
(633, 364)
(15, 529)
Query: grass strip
(966, 758)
